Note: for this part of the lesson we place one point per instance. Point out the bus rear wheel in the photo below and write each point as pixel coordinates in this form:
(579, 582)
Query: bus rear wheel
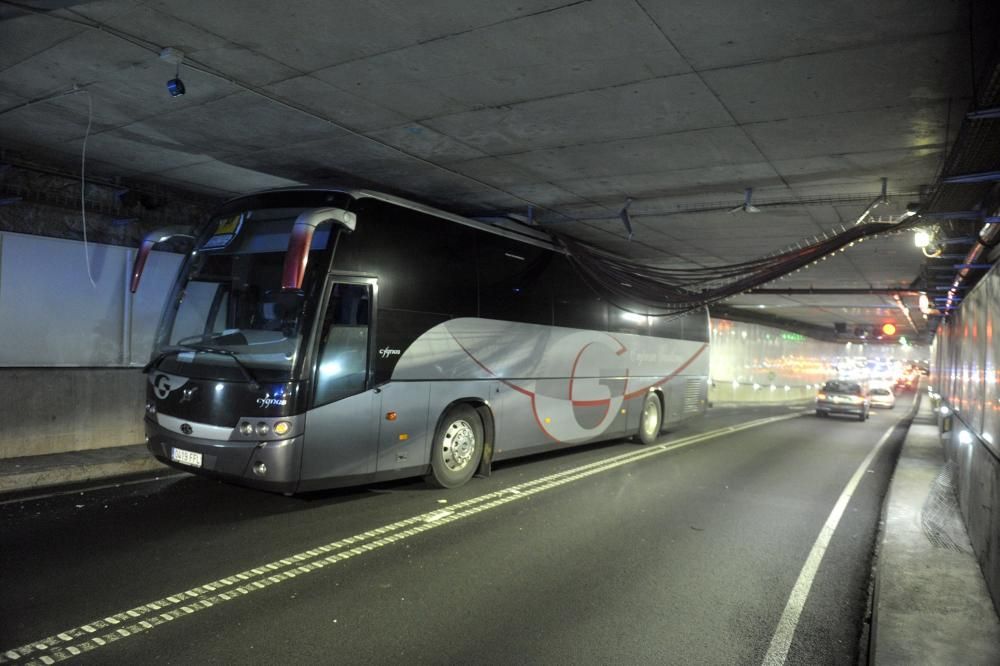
(457, 448)
(651, 419)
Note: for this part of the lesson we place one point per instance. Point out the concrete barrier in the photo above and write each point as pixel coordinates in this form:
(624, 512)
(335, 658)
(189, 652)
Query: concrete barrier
(54, 410)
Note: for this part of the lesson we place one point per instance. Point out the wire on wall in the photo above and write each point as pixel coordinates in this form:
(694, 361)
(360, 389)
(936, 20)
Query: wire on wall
(83, 186)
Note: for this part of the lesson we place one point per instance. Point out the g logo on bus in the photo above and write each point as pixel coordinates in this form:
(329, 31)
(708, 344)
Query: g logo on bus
(163, 384)
(186, 428)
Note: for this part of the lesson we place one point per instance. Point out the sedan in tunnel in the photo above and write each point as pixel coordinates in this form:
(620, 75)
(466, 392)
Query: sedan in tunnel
(843, 397)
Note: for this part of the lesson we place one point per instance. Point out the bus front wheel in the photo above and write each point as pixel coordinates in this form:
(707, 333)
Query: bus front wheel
(651, 419)
(457, 448)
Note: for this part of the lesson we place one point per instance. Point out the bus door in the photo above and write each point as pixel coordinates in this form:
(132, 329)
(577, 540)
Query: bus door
(342, 426)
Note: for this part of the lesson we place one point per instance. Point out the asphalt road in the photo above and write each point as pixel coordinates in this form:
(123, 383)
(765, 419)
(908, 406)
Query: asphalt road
(607, 554)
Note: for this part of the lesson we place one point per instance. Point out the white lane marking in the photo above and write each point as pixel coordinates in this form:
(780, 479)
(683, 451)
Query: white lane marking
(777, 652)
(322, 556)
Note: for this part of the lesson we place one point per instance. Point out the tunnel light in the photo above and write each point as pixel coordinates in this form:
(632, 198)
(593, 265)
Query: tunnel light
(944, 410)
(965, 437)
(736, 384)
(756, 386)
(925, 303)
(922, 238)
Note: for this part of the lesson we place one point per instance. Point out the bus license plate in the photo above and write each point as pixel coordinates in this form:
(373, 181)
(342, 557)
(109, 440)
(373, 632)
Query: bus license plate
(185, 457)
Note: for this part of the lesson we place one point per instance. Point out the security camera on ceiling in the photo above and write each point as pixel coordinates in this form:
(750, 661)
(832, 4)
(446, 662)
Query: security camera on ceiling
(175, 57)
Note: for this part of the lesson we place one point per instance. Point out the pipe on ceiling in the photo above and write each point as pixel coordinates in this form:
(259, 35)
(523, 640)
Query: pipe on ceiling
(989, 236)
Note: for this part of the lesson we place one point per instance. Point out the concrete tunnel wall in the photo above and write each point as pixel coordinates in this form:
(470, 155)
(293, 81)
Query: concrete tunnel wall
(966, 376)
(71, 349)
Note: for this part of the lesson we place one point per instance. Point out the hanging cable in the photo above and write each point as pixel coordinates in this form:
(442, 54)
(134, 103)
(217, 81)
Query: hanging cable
(662, 291)
(83, 186)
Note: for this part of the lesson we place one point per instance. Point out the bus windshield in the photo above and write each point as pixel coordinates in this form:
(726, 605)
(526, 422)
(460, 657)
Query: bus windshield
(231, 318)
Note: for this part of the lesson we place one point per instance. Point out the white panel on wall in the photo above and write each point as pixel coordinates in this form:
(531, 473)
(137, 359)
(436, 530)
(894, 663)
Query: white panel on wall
(147, 303)
(51, 314)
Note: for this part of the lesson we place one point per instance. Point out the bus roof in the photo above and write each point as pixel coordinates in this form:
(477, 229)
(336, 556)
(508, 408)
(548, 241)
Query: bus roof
(510, 228)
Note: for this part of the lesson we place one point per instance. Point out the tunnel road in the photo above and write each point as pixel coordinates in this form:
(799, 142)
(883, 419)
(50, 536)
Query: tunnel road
(746, 537)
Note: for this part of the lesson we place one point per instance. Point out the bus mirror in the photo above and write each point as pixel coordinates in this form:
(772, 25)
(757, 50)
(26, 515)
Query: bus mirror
(302, 234)
(152, 239)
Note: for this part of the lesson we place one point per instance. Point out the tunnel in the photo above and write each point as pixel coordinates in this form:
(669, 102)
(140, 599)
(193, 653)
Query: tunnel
(547, 332)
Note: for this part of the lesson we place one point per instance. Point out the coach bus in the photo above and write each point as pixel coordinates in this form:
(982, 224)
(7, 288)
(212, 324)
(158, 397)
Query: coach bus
(322, 338)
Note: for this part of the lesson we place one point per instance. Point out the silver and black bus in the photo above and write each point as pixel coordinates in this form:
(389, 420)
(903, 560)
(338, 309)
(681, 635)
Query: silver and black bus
(322, 338)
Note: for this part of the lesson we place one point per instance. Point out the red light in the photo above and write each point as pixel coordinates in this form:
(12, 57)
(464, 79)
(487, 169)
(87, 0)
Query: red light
(888, 329)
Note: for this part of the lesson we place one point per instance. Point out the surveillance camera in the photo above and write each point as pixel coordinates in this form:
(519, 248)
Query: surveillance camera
(175, 87)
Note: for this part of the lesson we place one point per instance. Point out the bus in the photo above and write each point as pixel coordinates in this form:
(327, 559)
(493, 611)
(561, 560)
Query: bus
(318, 338)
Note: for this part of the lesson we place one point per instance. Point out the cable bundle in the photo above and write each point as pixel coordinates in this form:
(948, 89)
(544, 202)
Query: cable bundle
(671, 291)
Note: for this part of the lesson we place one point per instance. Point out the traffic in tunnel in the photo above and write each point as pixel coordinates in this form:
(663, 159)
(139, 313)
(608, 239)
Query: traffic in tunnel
(582, 332)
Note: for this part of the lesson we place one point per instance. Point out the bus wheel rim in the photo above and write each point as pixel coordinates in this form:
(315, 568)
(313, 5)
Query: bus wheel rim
(650, 418)
(459, 445)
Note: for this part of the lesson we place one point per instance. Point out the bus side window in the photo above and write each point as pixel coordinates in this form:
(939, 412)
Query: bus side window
(343, 358)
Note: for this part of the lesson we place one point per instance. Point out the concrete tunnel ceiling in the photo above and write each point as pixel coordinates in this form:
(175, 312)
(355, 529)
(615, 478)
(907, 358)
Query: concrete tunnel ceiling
(558, 110)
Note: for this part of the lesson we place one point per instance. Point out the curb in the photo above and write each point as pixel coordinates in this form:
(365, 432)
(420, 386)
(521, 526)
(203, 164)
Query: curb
(870, 641)
(64, 474)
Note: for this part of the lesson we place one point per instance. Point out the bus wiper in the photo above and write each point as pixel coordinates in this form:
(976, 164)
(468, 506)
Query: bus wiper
(162, 355)
(254, 384)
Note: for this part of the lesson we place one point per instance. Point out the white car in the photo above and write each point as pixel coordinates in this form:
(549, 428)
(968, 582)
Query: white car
(882, 397)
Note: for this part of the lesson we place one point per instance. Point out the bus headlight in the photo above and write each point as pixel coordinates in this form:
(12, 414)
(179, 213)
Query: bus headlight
(263, 429)
(281, 427)
(246, 428)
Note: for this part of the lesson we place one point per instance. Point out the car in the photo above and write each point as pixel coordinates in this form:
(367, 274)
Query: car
(840, 396)
(882, 397)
